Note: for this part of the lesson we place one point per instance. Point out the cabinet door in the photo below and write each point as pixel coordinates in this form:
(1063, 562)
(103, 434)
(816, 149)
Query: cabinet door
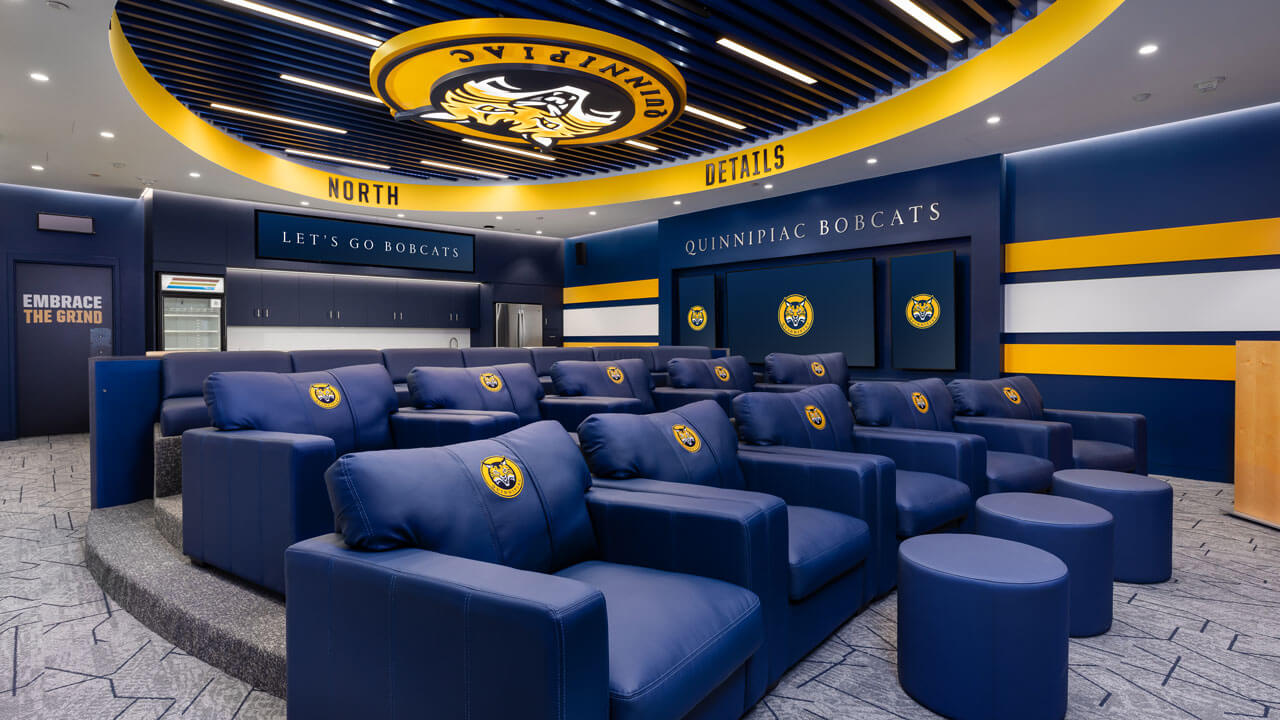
(465, 304)
(244, 298)
(382, 303)
(315, 300)
(417, 303)
(351, 301)
(279, 299)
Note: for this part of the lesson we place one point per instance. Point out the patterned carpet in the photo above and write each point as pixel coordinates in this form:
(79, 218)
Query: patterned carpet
(1204, 645)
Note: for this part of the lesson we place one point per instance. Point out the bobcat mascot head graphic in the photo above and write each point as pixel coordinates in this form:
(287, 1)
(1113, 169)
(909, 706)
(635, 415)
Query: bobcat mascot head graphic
(491, 381)
(920, 401)
(324, 395)
(815, 416)
(687, 438)
(502, 476)
(1012, 395)
(615, 374)
(541, 116)
(795, 315)
(923, 311)
(697, 317)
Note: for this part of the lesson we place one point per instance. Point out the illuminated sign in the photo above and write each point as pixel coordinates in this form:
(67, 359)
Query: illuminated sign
(284, 236)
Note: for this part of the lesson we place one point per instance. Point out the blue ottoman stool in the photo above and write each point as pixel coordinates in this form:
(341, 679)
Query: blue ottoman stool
(1080, 534)
(1143, 511)
(982, 627)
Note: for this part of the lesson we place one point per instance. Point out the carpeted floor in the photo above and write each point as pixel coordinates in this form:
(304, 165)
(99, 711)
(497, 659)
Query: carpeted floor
(1204, 645)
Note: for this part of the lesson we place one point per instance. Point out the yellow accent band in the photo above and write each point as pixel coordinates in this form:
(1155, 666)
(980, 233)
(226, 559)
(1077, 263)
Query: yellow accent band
(1180, 362)
(1245, 238)
(607, 292)
(610, 344)
(1010, 61)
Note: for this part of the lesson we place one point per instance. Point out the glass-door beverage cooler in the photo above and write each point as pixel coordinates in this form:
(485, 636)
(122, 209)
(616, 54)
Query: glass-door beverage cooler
(191, 313)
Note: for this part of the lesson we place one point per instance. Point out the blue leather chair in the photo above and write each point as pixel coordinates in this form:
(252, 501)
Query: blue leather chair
(485, 356)
(587, 387)
(316, 360)
(939, 475)
(643, 354)
(399, 361)
(926, 405)
(692, 379)
(833, 549)
(252, 484)
(499, 586)
(787, 372)
(664, 354)
(545, 357)
(182, 407)
(1011, 415)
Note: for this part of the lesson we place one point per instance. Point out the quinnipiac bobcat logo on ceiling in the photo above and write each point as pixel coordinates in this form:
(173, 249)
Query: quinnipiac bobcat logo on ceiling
(533, 82)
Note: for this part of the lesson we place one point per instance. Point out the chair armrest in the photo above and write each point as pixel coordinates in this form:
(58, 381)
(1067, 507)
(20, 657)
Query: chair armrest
(570, 411)
(249, 494)
(779, 387)
(369, 634)
(862, 486)
(433, 428)
(955, 455)
(669, 398)
(1128, 429)
(1042, 438)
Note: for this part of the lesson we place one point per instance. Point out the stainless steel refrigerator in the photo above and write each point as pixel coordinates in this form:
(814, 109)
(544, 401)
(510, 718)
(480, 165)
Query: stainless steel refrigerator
(517, 325)
(191, 313)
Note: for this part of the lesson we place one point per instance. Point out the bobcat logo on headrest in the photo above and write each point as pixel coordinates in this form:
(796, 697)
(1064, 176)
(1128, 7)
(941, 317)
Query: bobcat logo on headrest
(324, 395)
(697, 317)
(818, 368)
(491, 382)
(920, 401)
(541, 116)
(687, 438)
(1012, 395)
(615, 374)
(923, 311)
(502, 475)
(815, 416)
(722, 372)
(795, 315)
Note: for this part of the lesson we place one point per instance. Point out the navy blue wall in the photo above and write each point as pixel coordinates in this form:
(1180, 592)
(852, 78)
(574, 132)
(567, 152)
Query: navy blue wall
(117, 243)
(613, 256)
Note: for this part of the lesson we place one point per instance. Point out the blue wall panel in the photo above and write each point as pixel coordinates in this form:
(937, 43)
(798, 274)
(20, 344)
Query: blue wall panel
(613, 256)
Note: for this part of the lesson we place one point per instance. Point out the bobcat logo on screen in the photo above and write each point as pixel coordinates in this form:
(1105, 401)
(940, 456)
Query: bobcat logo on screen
(697, 317)
(324, 395)
(920, 402)
(491, 382)
(687, 438)
(722, 373)
(1013, 395)
(818, 368)
(502, 476)
(615, 374)
(815, 416)
(923, 311)
(795, 315)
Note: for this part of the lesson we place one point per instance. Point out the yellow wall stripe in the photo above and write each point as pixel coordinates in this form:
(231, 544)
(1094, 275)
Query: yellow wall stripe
(1245, 238)
(1184, 362)
(611, 344)
(606, 292)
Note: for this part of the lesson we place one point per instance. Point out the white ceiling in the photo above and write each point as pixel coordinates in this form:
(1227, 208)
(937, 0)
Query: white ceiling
(1086, 92)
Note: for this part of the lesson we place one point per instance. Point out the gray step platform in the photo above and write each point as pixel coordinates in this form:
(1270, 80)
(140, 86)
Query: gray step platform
(232, 626)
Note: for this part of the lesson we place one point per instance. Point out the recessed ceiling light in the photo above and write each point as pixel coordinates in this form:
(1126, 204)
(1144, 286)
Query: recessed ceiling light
(676, 202)
(38, 168)
(277, 118)
(993, 120)
(107, 134)
(466, 170)
(497, 217)
(399, 214)
(872, 161)
(305, 22)
(304, 202)
(927, 20)
(39, 77)
(768, 186)
(1148, 49)
(508, 148)
(766, 60)
(331, 88)
(714, 117)
(538, 231)
(593, 212)
(193, 174)
(336, 159)
(642, 146)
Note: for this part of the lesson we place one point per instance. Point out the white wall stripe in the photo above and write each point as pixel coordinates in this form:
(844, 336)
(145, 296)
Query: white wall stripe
(1239, 301)
(620, 320)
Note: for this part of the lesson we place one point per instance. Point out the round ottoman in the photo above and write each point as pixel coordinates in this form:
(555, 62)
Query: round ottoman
(982, 627)
(1080, 534)
(1143, 511)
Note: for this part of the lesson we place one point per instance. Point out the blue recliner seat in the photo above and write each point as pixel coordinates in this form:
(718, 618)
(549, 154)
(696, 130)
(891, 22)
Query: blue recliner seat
(833, 549)
(693, 379)
(1011, 415)
(643, 354)
(664, 354)
(587, 387)
(788, 372)
(485, 356)
(253, 483)
(925, 405)
(316, 360)
(476, 402)
(182, 407)
(939, 475)
(545, 357)
(489, 581)
(399, 361)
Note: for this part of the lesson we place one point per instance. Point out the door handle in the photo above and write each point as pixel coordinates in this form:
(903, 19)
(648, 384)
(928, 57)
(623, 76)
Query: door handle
(339, 314)
(268, 312)
(257, 312)
(330, 314)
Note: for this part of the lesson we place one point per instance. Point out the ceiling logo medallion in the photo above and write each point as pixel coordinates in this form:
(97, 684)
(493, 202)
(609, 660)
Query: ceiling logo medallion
(530, 82)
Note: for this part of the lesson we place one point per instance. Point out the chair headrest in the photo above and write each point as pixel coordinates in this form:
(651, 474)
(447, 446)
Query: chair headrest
(184, 373)
(609, 378)
(513, 388)
(921, 404)
(695, 443)
(400, 361)
(807, 369)
(727, 373)
(310, 360)
(816, 417)
(1010, 397)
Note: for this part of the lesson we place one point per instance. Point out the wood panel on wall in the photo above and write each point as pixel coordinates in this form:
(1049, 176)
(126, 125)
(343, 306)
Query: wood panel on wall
(1257, 437)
